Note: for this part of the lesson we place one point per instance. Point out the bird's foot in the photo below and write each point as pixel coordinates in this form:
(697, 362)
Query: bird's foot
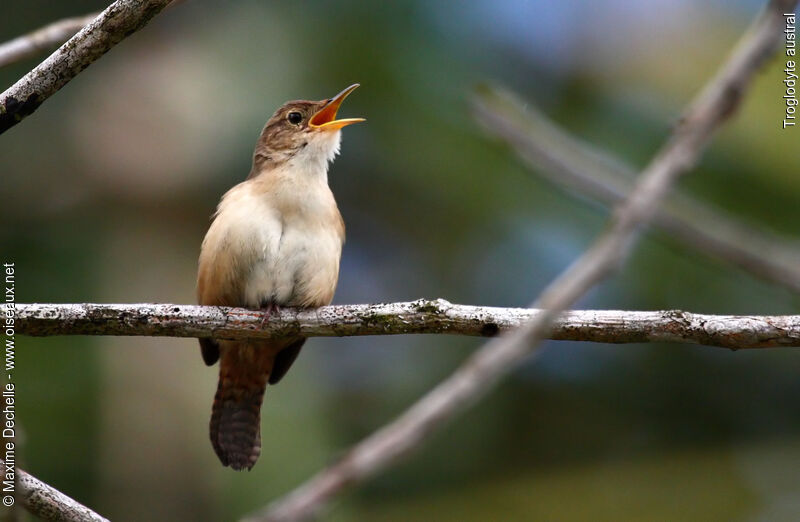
(269, 310)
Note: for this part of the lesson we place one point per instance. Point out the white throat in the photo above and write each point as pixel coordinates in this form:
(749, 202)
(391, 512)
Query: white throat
(312, 160)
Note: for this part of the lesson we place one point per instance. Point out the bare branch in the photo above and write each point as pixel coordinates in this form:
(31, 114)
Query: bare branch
(119, 20)
(48, 503)
(417, 317)
(42, 39)
(499, 356)
(586, 171)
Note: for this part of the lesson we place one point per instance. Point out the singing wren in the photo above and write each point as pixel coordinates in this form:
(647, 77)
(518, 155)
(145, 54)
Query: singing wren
(275, 241)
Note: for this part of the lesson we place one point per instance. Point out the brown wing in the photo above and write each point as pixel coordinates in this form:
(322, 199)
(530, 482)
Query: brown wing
(218, 281)
(209, 349)
(284, 360)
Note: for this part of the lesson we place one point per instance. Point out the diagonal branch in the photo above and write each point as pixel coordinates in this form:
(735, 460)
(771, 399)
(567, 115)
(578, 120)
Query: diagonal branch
(42, 39)
(48, 503)
(586, 171)
(119, 20)
(498, 357)
(417, 317)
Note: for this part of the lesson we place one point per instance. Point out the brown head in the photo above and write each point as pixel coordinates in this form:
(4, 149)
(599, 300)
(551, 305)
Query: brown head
(302, 132)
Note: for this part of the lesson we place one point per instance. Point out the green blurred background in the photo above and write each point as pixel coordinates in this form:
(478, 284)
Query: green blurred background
(107, 191)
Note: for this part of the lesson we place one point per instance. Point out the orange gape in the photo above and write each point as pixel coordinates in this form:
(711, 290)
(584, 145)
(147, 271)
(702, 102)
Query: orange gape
(276, 240)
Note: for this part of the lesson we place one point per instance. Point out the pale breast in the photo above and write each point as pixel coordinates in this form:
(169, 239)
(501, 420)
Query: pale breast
(244, 235)
(313, 233)
(307, 265)
(264, 248)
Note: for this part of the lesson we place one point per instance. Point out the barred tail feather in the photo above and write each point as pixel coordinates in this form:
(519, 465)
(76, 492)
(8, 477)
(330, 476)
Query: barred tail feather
(235, 426)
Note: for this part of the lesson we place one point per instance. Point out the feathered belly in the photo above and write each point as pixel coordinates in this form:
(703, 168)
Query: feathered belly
(299, 269)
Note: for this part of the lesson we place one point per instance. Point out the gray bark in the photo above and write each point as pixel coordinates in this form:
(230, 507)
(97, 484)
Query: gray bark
(118, 21)
(417, 317)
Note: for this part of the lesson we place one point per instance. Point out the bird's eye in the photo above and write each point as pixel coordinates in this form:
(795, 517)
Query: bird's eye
(294, 117)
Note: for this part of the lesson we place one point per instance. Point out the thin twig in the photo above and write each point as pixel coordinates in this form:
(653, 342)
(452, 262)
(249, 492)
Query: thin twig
(42, 39)
(501, 355)
(586, 171)
(119, 20)
(48, 503)
(418, 317)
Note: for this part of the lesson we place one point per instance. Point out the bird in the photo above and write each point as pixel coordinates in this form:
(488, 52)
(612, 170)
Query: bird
(274, 241)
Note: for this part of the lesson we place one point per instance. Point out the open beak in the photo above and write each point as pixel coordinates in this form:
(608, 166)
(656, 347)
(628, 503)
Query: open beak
(325, 118)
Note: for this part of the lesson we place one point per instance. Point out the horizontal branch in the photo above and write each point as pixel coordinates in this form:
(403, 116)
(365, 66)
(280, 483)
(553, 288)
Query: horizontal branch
(417, 317)
(487, 366)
